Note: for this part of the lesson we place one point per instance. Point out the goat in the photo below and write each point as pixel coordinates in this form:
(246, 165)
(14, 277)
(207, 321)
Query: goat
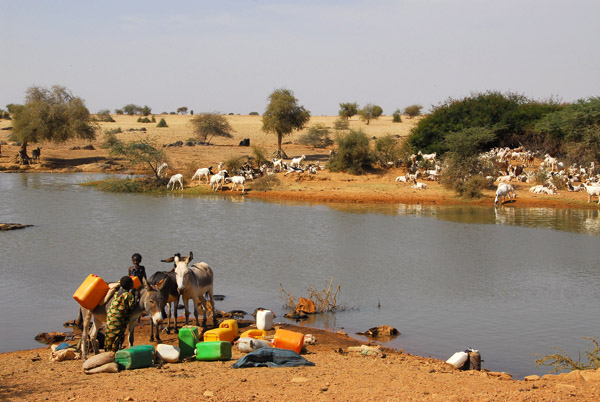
(277, 164)
(218, 179)
(161, 171)
(401, 179)
(593, 191)
(428, 157)
(504, 190)
(420, 186)
(296, 162)
(237, 181)
(574, 188)
(176, 178)
(203, 172)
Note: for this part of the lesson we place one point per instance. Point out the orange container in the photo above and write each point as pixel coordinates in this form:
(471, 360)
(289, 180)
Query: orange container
(231, 323)
(136, 282)
(220, 334)
(254, 333)
(291, 340)
(91, 292)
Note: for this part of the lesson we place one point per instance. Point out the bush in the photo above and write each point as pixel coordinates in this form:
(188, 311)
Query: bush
(353, 155)
(104, 115)
(562, 361)
(317, 136)
(265, 183)
(162, 123)
(341, 124)
(413, 110)
(466, 174)
(259, 153)
(370, 112)
(254, 114)
(387, 150)
(129, 185)
(541, 177)
(397, 116)
(234, 163)
(471, 188)
(143, 120)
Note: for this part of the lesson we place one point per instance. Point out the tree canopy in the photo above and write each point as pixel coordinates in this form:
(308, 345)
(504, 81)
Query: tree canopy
(142, 151)
(347, 110)
(52, 115)
(209, 125)
(370, 112)
(283, 115)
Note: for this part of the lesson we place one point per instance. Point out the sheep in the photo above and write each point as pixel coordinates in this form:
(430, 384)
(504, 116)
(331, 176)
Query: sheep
(203, 172)
(593, 191)
(296, 162)
(237, 181)
(504, 190)
(420, 186)
(176, 178)
(161, 171)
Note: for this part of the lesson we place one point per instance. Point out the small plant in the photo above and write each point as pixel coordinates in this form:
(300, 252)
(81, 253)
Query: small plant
(325, 300)
(162, 123)
(341, 124)
(259, 152)
(562, 361)
(471, 188)
(397, 116)
(317, 136)
(265, 183)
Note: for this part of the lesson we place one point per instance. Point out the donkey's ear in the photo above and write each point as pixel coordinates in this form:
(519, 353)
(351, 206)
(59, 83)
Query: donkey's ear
(146, 284)
(170, 259)
(190, 257)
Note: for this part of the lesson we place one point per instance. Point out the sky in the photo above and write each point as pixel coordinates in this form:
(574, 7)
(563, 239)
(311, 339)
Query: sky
(228, 56)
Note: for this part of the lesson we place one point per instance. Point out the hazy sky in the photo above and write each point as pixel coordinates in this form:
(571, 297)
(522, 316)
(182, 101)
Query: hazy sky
(228, 56)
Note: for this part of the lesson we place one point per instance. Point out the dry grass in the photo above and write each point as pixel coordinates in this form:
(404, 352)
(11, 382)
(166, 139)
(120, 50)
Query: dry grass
(325, 300)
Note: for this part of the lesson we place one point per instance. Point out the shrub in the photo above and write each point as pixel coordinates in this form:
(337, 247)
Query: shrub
(387, 150)
(259, 152)
(317, 136)
(253, 114)
(397, 116)
(265, 183)
(370, 112)
(562, 361)
(104, 115)
(541, 177)
(209, 125)
(413, 110)
(341, 124)
(162, 123)
(461, 169)
(143, 120)
(347, 110)
(234, 163)
(129, 185)
(471, 188)
(354, 153)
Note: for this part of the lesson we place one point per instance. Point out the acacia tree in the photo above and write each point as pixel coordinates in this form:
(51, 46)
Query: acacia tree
(208, 125)
(139, 152)
(51, 115)
(347, 110)
(283, 115)
(370, 112)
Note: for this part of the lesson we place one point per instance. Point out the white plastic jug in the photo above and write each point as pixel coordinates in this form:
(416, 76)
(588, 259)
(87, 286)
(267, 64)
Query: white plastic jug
(264, 320)
(168, 353)
(247, 345)
(458, 359)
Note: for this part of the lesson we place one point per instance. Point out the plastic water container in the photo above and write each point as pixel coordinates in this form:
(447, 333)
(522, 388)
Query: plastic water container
(219, 334)
(168, 353)
(232, 324)
(264, 320)
(188, 338)
(254, 333)
(136, 282)
(210, 351)
(91, 292)
(247, 344)
(291, 340)
(138, 356)
(458, 359)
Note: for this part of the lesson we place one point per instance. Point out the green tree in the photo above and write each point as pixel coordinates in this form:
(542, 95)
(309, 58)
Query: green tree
(144, 152)
(209, 125)
(52, 115)
(397, 116)
(370, 112)
(283, 115)
(347, 110)
(146, 110)
(131, 109)
(182, 110)
(413, 110)
(354, 153)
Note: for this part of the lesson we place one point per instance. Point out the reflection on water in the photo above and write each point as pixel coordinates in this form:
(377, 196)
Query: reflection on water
(508, 281)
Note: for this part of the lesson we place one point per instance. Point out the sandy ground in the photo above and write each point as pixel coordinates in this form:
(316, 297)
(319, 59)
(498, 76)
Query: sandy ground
(30, 376)
(338, 375)
(376, 187)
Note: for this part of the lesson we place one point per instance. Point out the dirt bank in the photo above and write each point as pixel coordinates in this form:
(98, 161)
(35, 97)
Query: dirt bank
(338, 375)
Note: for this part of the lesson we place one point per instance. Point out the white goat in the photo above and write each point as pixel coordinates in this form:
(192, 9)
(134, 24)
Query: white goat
(504, 190)
(277, 164)
(176, 178)
(401, 179)
(217, 180)
(296, 162)
(420, 186)
(237, 181)
(428, 157)
(161, 171)
(202, 172)
(593, 191)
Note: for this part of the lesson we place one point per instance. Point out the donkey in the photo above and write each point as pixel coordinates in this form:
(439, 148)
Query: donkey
(192, 283)
(150, 300)
(170, 294)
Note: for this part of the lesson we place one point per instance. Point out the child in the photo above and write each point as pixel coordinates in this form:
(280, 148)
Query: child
(118, 315)
(137, 269)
